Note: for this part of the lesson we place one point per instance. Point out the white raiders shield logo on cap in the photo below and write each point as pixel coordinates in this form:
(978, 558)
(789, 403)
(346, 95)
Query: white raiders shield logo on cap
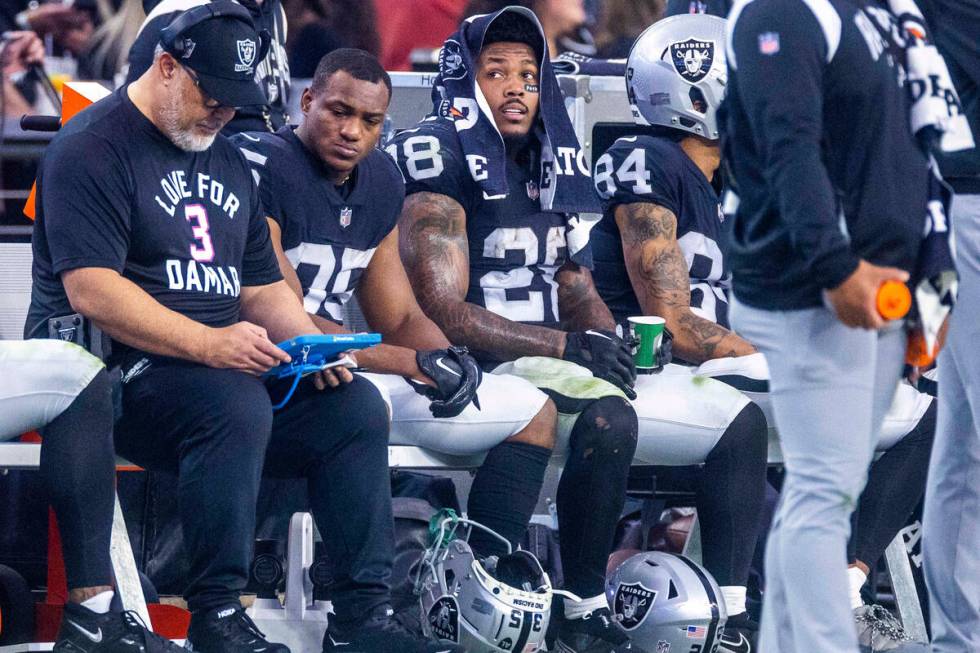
(632, 603)
(692, 58)
(246, 55)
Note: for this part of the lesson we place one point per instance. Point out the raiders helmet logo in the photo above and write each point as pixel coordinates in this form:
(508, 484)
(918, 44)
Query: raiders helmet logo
(345, 216)
(444, 619)
(451, 64)
(246, 55)
(632, 603)
(692, 58)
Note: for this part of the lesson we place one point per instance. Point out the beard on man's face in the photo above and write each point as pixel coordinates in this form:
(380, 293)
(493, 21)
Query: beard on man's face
(171, 124)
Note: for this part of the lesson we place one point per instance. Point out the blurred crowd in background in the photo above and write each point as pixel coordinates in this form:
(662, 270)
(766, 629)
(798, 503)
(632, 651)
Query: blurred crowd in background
(90, 39)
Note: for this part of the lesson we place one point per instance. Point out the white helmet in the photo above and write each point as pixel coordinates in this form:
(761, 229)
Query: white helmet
(486, 606)
(676, 74)
(666, 602)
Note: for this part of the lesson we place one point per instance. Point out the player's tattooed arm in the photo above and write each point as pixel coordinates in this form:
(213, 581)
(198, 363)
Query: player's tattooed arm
(389, 305)
(433, 247)
(579, 304)
(659, 275)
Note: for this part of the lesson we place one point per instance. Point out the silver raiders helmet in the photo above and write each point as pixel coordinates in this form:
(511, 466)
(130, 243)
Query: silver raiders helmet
(676, 74)
(666, 603)
(487, 606)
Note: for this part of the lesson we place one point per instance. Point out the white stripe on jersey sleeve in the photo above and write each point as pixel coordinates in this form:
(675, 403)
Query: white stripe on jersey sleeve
(254, 157)
(830, 23)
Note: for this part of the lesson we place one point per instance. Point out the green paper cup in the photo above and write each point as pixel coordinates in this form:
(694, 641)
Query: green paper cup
(648, 331)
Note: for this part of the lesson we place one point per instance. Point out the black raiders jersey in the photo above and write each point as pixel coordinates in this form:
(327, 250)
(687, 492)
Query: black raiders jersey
(329, 233)
(515, 248)
(183, 226)
(640, 169)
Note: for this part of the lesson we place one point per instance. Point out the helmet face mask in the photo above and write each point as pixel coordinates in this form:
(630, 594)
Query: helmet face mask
(666, 602)
(465, 601)
(676, 74)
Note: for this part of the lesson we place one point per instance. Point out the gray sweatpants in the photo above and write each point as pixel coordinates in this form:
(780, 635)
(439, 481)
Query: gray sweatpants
(951, 526)
(830, 387)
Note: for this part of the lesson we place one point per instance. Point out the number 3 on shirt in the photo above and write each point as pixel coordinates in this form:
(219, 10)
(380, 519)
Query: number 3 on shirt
(202, 249)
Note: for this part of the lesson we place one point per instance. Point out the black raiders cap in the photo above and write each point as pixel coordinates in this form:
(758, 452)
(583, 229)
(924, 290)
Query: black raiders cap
(219, 43)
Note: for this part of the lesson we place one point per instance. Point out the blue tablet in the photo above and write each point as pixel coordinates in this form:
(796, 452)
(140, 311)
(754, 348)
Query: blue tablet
(311, 353)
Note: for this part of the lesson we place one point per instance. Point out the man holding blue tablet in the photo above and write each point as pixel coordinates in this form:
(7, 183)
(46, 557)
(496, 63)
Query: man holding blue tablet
(332, 201)
(162, 246)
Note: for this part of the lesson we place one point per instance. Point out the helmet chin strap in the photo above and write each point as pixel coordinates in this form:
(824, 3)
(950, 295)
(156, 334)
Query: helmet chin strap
(568, 595)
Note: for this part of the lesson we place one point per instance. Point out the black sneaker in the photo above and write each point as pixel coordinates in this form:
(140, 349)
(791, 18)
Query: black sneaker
(380, 633)
(594, 633)
(84, 631)
(228, 630)
(740, 635)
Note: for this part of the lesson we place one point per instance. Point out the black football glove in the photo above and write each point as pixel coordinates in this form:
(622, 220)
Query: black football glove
(457, 376)
(604, 354)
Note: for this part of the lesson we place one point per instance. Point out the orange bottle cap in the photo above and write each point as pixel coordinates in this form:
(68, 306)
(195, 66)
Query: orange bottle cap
(894, 300)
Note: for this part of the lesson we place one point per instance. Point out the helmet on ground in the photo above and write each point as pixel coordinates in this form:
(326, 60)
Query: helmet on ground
(487, 606)
(666, 602)
(676, 74)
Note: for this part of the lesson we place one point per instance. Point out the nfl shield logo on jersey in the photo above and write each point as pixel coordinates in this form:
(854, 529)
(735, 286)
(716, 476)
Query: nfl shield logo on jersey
(533, 191)
(692, 58)
(663, 646)
(632, 603)
(345, 216)
(769, 43)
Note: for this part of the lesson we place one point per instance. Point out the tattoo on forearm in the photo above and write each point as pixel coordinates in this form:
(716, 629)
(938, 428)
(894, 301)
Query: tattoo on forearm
(434, 251)
(579, 304)
(660, 277)
(705, 336)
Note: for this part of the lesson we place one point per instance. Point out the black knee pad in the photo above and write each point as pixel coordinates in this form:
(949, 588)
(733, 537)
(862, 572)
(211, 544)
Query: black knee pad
(747, 435)
(608, 425)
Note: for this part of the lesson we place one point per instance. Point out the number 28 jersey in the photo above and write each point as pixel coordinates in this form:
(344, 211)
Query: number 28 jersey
(515, 248)
(648, 169)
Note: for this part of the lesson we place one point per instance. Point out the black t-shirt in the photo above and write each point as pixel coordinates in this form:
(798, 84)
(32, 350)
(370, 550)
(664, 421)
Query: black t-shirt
(329, 233)
(515, 248)
(648, 169)
(818, 139)
(114, 192)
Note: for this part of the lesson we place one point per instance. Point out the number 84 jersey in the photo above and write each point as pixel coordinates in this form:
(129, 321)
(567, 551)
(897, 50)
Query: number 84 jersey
(648, 169)
(515, 248)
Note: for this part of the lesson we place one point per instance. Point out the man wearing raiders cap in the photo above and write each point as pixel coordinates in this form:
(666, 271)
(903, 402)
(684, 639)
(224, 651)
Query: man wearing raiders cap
(148, 225)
